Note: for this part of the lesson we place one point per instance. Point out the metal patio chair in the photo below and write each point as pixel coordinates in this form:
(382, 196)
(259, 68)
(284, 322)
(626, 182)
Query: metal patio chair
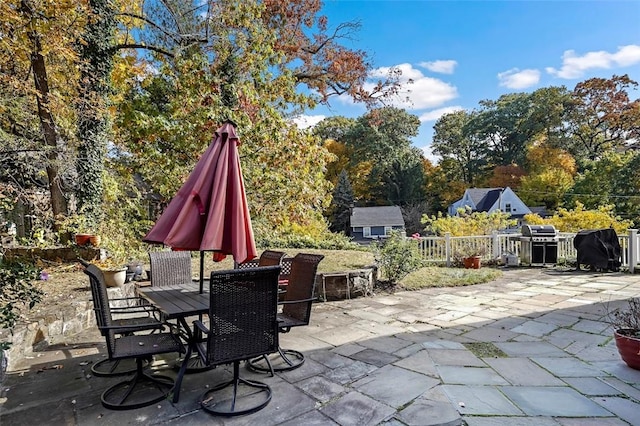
(296, 312)
(126, 313)
(243, 325)
(143, 388)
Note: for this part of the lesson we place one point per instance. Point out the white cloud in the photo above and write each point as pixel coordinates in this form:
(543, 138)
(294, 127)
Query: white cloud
(444, 67)
(519, 79)
(574, 66)
(422, 92)
(435, 114)
(306, 121)
(429, 155)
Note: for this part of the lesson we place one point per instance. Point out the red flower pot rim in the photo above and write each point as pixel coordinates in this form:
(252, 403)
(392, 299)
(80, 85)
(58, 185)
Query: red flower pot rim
(629, 333)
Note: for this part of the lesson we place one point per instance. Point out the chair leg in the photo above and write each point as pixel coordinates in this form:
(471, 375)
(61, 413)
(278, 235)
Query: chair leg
(290, 360)
(141, 390)
(254, 365)
(181, 373)
(118, 367)
(213, 401)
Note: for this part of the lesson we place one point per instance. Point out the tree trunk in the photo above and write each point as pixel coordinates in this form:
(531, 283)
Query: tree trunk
(93, 129)
(47, 123)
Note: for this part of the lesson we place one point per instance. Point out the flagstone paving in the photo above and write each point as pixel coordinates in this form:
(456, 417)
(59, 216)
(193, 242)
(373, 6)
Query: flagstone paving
(530, 349)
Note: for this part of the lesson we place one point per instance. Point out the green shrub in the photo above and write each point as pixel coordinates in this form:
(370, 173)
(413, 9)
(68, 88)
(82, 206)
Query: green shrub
(397, 257)
(16, 291)
(326, 241)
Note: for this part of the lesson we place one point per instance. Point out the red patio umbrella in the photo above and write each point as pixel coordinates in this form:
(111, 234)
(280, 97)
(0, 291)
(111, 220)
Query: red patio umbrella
(210, 212)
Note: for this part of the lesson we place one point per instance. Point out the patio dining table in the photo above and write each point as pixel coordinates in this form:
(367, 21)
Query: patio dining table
(178, 302)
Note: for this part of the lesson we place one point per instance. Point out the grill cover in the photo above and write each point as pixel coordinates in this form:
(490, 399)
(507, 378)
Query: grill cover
(539, 231)
(598, 248)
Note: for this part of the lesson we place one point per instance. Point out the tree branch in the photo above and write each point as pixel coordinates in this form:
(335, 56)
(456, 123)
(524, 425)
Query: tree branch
(144, 46)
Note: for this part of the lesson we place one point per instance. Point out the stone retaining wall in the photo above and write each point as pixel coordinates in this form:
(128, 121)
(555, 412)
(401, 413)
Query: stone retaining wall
(54, 254)
(346, 285)
(53, 327)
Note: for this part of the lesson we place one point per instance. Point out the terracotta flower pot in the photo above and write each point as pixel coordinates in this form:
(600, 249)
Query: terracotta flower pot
(83, 239)
(472, 262)
(629, 348)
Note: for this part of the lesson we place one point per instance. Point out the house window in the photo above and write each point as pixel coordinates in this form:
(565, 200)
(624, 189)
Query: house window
(366, 231)
(387, 230)
(507, 207)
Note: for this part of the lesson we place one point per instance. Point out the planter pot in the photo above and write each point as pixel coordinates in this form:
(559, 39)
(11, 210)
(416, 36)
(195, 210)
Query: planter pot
(95, 240)
(472, 262)
(629, 348)
(115, 278)
(83, 239)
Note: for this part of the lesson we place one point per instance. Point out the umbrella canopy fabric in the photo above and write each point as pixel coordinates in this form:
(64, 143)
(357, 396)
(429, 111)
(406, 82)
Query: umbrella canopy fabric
(210, 212)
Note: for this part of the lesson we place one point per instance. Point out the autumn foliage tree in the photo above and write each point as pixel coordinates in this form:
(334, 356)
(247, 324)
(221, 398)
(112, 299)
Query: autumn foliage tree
(38, 85)
(603, 117)
(244, 61)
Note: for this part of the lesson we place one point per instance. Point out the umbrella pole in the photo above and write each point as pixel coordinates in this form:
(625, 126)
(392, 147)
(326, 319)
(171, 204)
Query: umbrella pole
(201, 271)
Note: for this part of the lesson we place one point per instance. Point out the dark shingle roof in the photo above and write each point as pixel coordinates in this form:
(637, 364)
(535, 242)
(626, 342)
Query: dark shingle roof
(489, 199)
(377, 216)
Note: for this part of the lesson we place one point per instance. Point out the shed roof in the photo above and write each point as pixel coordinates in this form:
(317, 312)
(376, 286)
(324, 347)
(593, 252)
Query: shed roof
(377, 216)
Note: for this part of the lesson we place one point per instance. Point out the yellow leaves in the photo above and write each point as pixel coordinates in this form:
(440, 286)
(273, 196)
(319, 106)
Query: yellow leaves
(576, 219)
(468, 223)
(542, 156)
(545, 188)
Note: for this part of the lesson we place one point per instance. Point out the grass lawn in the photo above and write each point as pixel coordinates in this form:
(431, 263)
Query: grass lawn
(433, 276)
(436, 276)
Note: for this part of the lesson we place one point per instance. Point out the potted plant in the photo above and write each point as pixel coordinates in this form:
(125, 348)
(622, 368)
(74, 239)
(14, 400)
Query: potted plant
(114, 270)
(82, 229)
(626, 324)
(469, 254)
(114, 263)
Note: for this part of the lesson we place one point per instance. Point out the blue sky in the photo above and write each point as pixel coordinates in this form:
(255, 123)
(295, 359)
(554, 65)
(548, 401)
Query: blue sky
(461, 52)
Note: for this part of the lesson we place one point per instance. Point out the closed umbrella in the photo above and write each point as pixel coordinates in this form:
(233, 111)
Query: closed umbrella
(210, 211)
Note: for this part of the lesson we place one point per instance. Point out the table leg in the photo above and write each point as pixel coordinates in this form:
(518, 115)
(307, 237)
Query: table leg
(193, 363)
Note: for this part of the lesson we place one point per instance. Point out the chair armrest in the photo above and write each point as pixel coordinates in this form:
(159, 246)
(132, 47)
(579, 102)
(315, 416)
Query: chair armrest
(290, 302)
(199, 325)
(117, 328)
(125, 299)
(133, 310)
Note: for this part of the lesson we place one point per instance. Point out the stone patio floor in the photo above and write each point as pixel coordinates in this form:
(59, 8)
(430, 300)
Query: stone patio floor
(532, 348)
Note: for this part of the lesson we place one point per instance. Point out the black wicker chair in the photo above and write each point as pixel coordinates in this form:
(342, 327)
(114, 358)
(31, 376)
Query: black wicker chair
(267, 258)
(296, 312)
(143, 388)
(243, 325)
(126, 313)
(285, 272)
(170, 267)
(271, 258)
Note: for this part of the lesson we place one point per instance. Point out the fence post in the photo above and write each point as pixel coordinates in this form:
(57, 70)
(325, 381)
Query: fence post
(495, 242)
(632, 254)
(447, 248)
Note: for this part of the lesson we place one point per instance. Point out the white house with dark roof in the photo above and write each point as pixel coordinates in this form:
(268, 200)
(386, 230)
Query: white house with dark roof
(490, 199)
(375, 222)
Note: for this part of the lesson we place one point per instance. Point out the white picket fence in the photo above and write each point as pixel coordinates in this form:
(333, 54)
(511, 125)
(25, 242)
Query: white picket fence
(442, 250)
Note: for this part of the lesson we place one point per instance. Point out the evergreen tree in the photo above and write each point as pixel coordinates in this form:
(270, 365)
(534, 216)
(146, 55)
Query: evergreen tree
(341, 204)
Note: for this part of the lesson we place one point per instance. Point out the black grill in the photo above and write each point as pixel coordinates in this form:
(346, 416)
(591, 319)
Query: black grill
(539, 245)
